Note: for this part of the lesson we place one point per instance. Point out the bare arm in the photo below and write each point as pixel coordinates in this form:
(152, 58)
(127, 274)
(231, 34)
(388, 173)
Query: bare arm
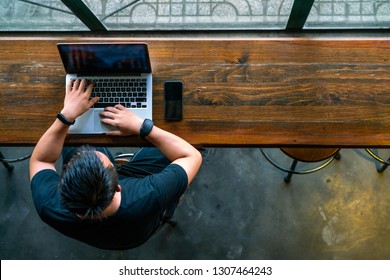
(48, 148)
(173, 147)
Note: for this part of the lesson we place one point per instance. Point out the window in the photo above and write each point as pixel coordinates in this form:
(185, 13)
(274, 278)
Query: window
(127, 15)
(192, 14)
(47, 15)
(331, 14)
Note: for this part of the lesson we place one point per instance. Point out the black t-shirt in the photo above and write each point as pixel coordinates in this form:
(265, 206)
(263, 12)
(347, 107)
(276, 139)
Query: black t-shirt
(143, 201)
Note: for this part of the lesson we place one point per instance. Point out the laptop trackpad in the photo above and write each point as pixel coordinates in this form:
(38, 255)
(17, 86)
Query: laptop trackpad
(84, 124)
(99, 127)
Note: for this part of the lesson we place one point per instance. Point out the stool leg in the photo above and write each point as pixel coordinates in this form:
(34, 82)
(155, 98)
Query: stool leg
(383, 167)
(6, 164)
(337, 156)
(287, 179)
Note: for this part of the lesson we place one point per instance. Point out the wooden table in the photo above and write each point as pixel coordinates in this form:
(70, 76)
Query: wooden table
(237, 92)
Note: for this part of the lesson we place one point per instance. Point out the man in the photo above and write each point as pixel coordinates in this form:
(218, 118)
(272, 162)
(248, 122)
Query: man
(91, 202)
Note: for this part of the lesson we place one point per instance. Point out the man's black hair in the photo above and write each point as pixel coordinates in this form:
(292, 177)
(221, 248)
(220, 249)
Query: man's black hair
(87, 187)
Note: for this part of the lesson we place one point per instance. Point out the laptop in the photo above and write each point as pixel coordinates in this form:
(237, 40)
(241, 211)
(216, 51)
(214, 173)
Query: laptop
(121, 73)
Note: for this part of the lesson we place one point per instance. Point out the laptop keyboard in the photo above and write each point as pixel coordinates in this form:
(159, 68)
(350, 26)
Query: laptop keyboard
(130, 92)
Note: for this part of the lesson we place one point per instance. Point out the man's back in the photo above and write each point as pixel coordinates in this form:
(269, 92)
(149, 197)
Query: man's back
(143, 202)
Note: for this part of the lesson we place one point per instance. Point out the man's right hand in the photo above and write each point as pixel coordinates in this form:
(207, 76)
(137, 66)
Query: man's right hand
(77, 99)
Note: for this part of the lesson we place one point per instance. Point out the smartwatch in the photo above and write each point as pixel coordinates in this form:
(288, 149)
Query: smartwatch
(146, 128)
(64, 120)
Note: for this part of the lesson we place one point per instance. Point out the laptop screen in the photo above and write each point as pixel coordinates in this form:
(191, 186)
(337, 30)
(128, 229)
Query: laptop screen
(105, 58)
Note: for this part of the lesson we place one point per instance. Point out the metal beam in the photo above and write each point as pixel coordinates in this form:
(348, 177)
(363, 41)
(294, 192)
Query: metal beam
(82, 11)
(299, 13)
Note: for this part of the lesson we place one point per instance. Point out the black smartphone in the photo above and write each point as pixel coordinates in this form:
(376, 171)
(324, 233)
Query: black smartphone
(173, 100)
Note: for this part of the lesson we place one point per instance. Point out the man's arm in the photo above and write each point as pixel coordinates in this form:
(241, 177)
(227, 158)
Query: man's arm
(173, 147)
(48, 148)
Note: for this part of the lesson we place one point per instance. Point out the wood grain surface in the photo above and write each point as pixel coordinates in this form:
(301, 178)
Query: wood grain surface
(237, 92)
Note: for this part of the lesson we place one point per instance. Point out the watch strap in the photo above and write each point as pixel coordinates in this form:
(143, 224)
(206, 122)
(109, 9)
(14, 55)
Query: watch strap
(146, 128)
(64, 120)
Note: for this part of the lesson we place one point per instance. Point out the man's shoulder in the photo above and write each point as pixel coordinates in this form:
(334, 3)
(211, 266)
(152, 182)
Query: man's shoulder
(44, 188)
(45, 181)
(173, 172)
(44, 175)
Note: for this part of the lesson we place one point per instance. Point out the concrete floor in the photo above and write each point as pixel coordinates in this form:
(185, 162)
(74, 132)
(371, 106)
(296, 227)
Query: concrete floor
(237, 208)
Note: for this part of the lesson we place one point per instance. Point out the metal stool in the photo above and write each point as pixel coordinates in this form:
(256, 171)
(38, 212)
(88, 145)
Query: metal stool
(385, 163)
(6, 161)
(310, 155)
(122, 158)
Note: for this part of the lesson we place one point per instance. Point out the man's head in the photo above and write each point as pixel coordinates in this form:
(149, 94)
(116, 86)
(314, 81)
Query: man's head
(88, 183)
